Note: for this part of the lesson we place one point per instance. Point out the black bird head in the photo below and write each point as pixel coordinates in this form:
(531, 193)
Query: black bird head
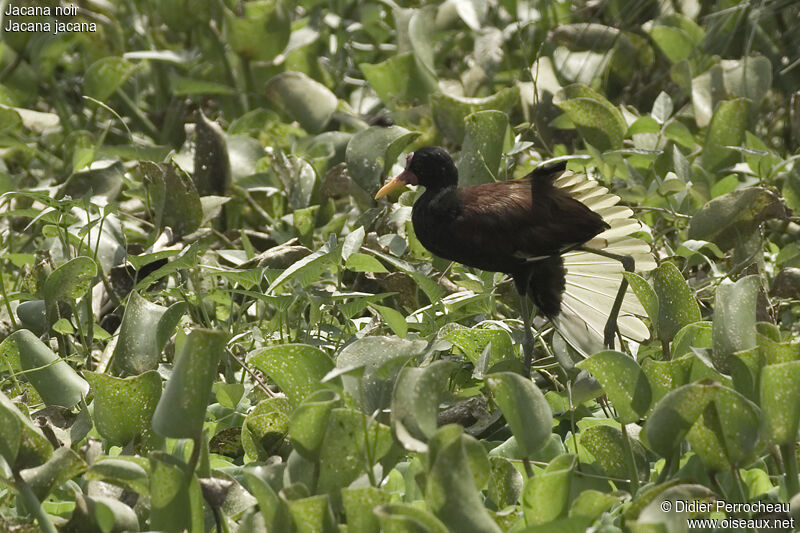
(430, 166)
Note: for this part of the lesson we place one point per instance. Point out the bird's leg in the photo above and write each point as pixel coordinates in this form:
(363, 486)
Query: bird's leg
(628, 264)
(527, 341)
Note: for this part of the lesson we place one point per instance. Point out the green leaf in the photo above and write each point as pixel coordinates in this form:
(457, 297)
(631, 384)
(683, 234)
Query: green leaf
(359, 504)
(138, 349)
(473, 341)
(261, 30)
(358, 262)
(369, 368)
(450, 112)
(623, 381)
(665, 376)
(296, 368)
(505, 482)
(749, 77)
(55, 381)
(123, 408)
(450, 489)
(69, 281)
(62, 466)
(182, 407)
(674, 415)
(372, 152)
(265, 428)
(176, 501)
(173, 197)
(105, 76)
(183, 86)
(212, 166)
(394, 319)
(305, 100)
(780, 388)
(727, 433)
(607, 445)
(677, 305)
(353, 444)
(309, 421)
(525, 409)
(128, 472)
(399, 79)
(305, 270)
(311, 514)
(598, 121)
(482, 150)
(22, 444)
(408, 518)
(546, 496)
(415, 403)
(727, 128)
(726, 218)
(646, 295)
(734, 327)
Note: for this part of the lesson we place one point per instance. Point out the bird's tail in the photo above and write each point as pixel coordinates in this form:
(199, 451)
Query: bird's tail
(546, 279)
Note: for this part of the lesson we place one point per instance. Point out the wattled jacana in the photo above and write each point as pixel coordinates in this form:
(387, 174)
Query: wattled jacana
(535, 229)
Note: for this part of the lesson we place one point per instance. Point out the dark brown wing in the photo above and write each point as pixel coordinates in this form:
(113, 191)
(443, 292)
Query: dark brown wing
(523, 218)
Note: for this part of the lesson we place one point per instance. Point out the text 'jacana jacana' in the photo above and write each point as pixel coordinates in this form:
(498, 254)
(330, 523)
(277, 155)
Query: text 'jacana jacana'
(535, 229)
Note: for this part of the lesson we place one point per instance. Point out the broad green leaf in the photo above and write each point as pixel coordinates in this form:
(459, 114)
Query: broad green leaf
(408, 518)
(274, 512)
(69, 281)
(598, 121)
(674, 415)
(399, 79)
(505, 482)
(473, 341)
(415, 403)
(123, 408)
(260, 30)
(664, 376)
(674, 43)
(359, 504)
(353, 443)
(105, 76)
(296, 368)
(305, 270)
(311, 514)
(358, 262)
(546, 496)
(450, 112)
(677, 305)
(126, 472)
(62, 466)
(265, 428)
(182, 407)
(482, 150)
(450, 490)
(727, 128)
(309, 421)
(101, 513)
(176, 501)
(734, 326)
(727, 432)
(22, 444)
(183, 86)
(646, 295)
(748, 77)
(394, 319)
(146, 327)
(55, 381)
(607, 445)
(593, 503)
(623, 381)
(173, 197)
(724, 219)
(780, 388)
(372, 152)
(524, 407)
(369, 368)
(304, 99)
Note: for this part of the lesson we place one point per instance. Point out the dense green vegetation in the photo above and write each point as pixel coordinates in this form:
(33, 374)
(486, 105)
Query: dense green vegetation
(208, 322)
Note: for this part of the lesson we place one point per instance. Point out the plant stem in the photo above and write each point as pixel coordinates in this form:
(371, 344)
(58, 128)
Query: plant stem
(32, 503)
(789, 458)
